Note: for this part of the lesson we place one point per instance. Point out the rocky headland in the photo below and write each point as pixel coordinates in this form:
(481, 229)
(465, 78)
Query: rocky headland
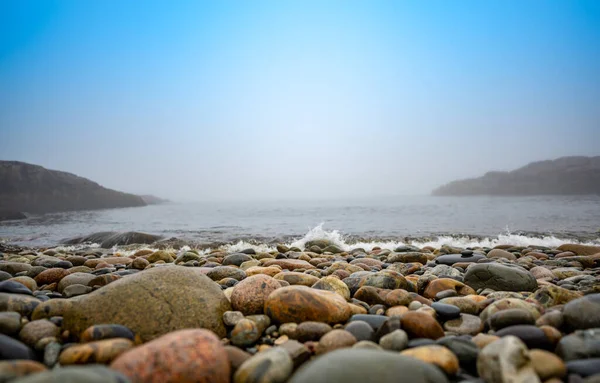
(563, 176)
(34, 189)
(316, 314)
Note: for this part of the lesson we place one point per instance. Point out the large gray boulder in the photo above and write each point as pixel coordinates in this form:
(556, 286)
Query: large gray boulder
(499, 277)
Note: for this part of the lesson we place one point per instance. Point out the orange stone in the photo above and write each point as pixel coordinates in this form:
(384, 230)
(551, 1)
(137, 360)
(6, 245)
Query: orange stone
(438, 355)
(250, 294)
(102, 351)
(421, 325)
(289, 264)
(50, 276)
(300, 304)
(194, 355)
(442, 284)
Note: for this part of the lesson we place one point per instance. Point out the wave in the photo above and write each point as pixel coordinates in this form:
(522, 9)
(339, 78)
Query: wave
(349, 242)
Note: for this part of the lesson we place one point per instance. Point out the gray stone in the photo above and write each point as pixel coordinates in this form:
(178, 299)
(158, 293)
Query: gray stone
(582, 313)
(88, 374)
(357, 365)
(397, 340)
(10, 323)
(581, 344)
(499, 277)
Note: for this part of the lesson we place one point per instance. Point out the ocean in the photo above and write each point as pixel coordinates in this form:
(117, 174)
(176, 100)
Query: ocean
(385, 222)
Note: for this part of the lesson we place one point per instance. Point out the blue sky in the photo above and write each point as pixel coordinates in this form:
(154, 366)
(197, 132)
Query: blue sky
(297, 99)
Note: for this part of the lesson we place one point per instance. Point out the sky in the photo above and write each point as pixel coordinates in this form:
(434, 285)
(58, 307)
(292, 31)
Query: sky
(241, 100)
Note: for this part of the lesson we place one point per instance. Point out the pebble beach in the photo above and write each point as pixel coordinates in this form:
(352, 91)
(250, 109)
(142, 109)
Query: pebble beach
(314, 314)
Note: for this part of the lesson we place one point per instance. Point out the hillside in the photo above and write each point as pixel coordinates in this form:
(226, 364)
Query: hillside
(34, 189)
(563, 176)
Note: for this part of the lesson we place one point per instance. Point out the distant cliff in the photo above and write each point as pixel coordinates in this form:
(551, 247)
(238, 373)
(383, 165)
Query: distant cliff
(153, 200)
(34, 189)
(563, 176)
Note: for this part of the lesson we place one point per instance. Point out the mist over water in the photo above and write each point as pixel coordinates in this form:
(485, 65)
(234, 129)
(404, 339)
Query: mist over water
(386, 222)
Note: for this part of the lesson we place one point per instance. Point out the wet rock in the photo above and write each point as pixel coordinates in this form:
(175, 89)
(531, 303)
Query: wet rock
(580, 249)
(421, 325)
(451, 259)
(532, 336)
(358, 365)
(581, 344)
(582, 313)
(236, 357)
(465, 350)
(311, 331)
(466, 324)
(499, 277)
(75, 279)
(10, 323)
(245, 333)
(185, 355)
(49, 276)
(272, 366)
(13, 349)
(375, 321)
(297, 351)
(445, 311)
(12, 369)
(586, 367)
(250, 294)
(294, 278)
(511, 317)
(51, 308)
(236, 259)
(396, 340)
(499, 253)
(231, 318)
(361, 330)
(33, 331)
(151, 303)
(441, 284)
(14, 287)
(290, 264)
(88, 374)
(222, 272)
(506, 360)
(102, 352)
(75, 290)
(547, 365)
(437, 355)
(301, 303)
(334, 340)
(333, 284)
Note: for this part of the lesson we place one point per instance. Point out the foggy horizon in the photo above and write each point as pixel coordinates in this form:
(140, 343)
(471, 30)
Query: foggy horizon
(298, 100)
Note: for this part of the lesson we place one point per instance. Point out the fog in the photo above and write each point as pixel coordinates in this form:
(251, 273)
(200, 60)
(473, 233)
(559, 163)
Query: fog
(296, 100)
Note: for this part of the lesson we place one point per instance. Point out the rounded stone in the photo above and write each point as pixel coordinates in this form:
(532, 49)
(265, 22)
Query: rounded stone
(334, 340)
(334, 284)
(581, 344)
(245, 333)
(250, 294)
(294, 278)
(356, 365)
(193, 355)
(465, 350)
(75, 279)
(511, 317)
(49, 276)
(442, 284)
(10, 323)
(311, 331)
(396, 340)
(12, 369)
(582, 313)
(151, 303)
(506, 360)
(466, 324)
(585, 367)
(499, 253)
(13, 349)
(436, 355)
(421, 325)
(76, 374)
(532, 336)
(35, 330)
(361, 330)
(102, 351)
(301, 303)
(547, 365)
(499, 277)
(272, 366)
(445, 311)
